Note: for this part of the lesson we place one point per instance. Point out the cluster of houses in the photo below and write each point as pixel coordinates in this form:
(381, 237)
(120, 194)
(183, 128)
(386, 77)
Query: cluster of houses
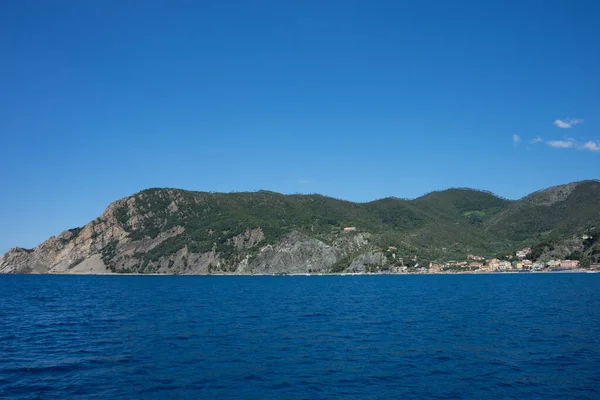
(523, 265)
(476, 263)
(480, 264)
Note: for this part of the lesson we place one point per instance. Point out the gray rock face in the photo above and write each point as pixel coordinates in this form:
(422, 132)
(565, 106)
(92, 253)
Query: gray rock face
(248, 239)
(362, 263)
(64, 253)
(296, 254)
(552, 195)
(85, 251)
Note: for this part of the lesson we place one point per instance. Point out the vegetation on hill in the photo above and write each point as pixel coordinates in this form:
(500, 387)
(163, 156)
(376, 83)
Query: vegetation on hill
(438, 226)
(171, 228)
(551, 214)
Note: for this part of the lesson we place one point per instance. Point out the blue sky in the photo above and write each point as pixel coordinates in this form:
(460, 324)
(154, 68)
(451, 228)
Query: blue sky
(353, 99)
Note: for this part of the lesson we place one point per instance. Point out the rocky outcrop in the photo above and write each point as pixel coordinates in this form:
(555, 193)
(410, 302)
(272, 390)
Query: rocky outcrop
(84, 250)
(551, 195)
(65, 251)
(368, 262)
(248, 239)
(296, 254)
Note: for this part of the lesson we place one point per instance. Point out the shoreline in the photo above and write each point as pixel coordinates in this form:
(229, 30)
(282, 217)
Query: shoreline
(578, 271)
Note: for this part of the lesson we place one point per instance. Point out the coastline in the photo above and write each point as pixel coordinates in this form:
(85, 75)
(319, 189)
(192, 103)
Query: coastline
(575, 271)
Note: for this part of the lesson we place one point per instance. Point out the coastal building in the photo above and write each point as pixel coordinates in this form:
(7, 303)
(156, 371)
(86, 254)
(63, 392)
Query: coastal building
(486, 267)
(434, 268)
(473, 266)
(569, 264)
(538, 266)
(553, 264)
(474, 258)
(520, 265)
(493, 264)
(504, 265)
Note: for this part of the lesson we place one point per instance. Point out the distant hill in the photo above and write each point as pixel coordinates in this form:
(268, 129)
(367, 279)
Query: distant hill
(184, 232)
(556, 212)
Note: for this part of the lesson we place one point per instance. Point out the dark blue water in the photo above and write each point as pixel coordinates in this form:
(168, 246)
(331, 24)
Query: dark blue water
(373, 337)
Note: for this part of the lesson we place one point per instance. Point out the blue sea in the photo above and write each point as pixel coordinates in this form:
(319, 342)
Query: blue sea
(522, 336)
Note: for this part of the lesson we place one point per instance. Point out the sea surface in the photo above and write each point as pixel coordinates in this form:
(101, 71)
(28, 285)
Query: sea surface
(522, 336)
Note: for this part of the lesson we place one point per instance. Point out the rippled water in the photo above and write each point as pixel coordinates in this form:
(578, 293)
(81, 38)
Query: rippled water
(373, 337)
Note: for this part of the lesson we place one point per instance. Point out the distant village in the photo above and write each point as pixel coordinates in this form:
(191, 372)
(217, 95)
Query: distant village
(517, 263)
(480, 264)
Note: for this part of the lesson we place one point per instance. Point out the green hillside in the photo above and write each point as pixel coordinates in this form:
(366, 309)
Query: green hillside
(440, 225)
(552, 213)
(184, 232)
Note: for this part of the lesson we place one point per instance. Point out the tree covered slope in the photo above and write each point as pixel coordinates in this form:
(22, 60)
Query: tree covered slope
(178, 231)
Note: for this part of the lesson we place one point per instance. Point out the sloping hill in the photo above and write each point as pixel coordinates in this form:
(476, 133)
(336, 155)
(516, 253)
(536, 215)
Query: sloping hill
(178, 231)
(555, 212)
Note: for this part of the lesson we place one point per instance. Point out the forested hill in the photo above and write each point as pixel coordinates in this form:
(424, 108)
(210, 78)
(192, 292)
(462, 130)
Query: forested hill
(178, 231)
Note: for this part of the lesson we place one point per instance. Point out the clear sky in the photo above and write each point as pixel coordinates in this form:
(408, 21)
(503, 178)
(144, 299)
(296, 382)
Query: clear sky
(353, 99)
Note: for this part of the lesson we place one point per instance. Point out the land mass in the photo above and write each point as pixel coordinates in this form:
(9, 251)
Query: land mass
(172, 231)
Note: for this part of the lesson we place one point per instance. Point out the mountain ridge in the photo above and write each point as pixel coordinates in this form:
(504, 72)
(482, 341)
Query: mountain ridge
(168, 230)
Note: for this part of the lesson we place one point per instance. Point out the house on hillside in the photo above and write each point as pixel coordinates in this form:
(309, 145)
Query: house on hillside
(521, 254)
(350, 229)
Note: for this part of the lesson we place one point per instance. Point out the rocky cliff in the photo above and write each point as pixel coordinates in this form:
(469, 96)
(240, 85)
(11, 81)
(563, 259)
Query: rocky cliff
(121, 240)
